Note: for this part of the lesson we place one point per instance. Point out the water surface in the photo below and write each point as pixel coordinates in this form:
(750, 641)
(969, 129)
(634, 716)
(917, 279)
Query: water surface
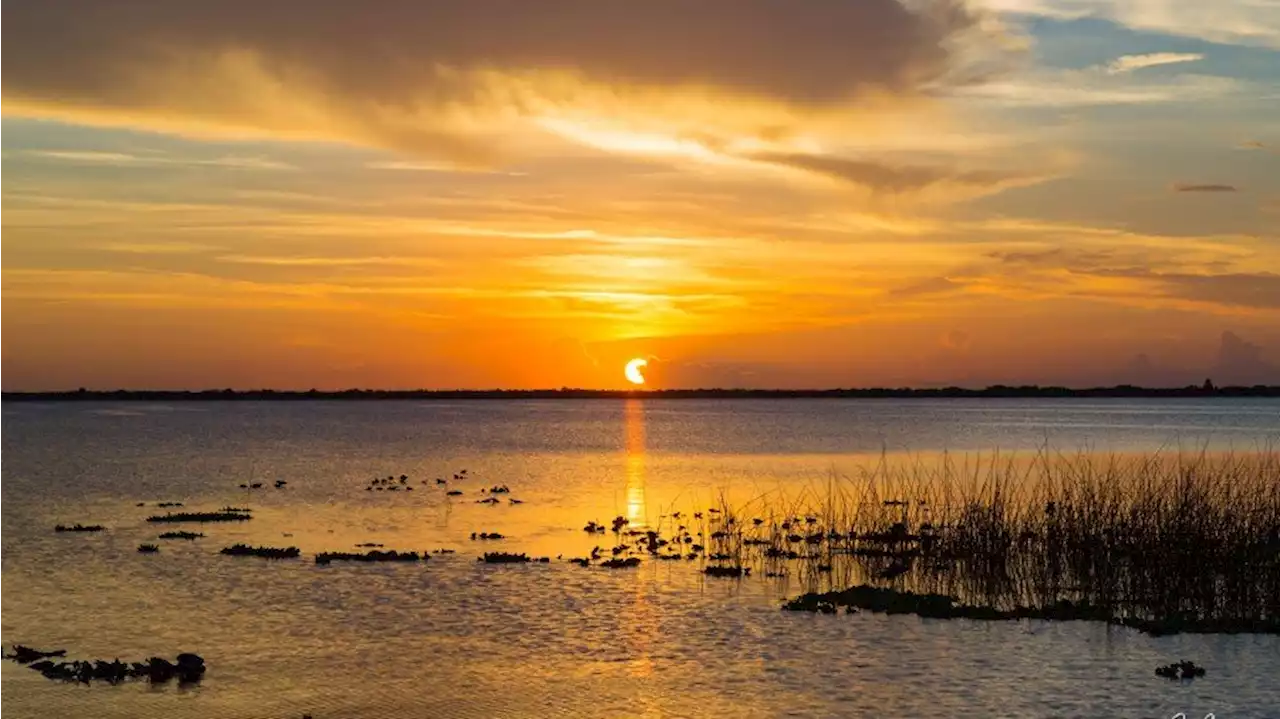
(457, 638)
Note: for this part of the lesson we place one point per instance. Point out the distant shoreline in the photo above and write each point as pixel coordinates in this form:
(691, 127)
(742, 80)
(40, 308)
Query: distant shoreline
(993, 392)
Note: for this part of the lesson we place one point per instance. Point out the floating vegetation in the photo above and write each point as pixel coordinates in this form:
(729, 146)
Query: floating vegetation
(1180, 670)
(227, 514)
(181, 535)
(148, 549)
(188, 668)
(1189, 543)
(488, 500)
(244, 550)
(370, 556)
(499, 489)
(369, 544)
(487, 536)
(163, 505)
(79, 528)
(621, 563)
(733, 572)
(504, 558)
(454, 493)
(444, 551)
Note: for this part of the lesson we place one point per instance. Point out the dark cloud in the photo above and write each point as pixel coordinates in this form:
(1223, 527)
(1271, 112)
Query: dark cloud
(363, 64)
(892, 178)
(1242, 289)
(1240, 361)
(1184, 187)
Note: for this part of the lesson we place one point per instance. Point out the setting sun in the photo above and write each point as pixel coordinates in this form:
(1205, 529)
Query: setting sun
(634, 376)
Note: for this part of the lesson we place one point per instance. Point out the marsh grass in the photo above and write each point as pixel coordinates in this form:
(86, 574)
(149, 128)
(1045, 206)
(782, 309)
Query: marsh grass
(1166, 543)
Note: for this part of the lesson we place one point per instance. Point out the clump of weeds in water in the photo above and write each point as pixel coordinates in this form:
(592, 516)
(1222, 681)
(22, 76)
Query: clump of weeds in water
(1164, 543)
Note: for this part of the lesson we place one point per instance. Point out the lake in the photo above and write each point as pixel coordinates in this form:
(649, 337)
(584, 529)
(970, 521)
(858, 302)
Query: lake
(456, 638)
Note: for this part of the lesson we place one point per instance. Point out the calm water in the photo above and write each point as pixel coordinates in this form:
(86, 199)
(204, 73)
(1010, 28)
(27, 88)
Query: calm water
(458, 638)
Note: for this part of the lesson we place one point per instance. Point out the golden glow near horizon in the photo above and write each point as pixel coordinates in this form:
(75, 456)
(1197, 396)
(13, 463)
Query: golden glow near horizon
(897, 196)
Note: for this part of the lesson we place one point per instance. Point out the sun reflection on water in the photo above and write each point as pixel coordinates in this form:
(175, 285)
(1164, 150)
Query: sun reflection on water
(637, 513)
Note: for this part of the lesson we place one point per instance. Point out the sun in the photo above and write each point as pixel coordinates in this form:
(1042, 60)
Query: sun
(632, 371)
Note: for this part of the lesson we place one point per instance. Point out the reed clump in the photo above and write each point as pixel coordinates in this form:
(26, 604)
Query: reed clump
(1163, 544)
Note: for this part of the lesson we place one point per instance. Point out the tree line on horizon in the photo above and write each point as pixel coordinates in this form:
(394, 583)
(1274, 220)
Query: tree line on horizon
(1208, 389)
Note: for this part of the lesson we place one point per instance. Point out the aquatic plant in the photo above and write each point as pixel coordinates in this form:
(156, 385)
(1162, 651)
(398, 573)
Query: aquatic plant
(79, 528)
(1180, 670)
(504, 558)
(244, 550)
(1162, 544)
(225, 515)
(734, 572)
(188, 668)
(374, 555)
(621, 563)
(148, 549)
(181, 535)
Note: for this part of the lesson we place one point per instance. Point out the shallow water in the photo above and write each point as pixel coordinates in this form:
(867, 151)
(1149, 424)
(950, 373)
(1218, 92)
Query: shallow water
(457, 638)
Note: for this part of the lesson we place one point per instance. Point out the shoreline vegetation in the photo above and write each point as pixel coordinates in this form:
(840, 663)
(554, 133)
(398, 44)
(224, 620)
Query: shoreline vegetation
(1163, 545)
(993, 392)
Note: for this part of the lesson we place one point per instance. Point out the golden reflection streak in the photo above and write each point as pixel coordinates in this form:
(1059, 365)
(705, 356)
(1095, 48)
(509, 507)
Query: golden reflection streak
(640, 618)
(637, 513)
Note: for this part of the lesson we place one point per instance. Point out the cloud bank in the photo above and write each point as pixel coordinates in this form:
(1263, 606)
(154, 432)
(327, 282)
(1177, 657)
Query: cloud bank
(428, 76)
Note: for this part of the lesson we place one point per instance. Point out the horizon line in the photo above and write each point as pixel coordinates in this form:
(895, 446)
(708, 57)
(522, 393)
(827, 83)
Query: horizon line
(994, 391)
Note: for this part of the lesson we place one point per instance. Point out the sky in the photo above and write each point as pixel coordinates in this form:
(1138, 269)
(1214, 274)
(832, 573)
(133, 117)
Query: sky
(746, 193)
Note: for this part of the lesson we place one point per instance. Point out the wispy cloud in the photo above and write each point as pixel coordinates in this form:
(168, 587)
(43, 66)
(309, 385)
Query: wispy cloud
(306, 261)
(1239, 22)
(1095, 86)
(122, 159)
(1189, 187)
(1129, 63)
(899, 178)
(407, 166)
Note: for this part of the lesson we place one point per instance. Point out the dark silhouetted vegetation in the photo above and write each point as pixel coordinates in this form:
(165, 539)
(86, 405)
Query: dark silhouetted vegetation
(188, 668)
(227, 514)
(244, 550)
(999, 391)
(79, 528)
(181, 535)
(390, 555)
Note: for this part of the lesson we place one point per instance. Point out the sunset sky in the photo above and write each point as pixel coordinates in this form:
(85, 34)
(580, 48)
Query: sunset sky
(748, 193)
